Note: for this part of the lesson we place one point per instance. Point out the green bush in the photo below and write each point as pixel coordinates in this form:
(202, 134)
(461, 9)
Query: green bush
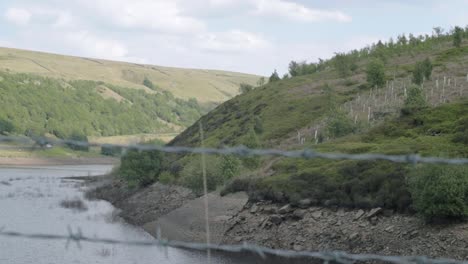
(140, 168)
(339, 124)
(109, 150)
(415, 101)
(192, 174)
(75, 138)
(440, 191)
(6, 127)
(375, 73)
(229, 167)
(166, 178)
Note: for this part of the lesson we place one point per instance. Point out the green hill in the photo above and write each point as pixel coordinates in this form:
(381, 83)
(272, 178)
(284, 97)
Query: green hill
(207, 86)
(333, 106)
(56, 95)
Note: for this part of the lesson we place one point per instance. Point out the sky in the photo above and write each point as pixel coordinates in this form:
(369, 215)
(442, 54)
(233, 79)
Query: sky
(252, 36)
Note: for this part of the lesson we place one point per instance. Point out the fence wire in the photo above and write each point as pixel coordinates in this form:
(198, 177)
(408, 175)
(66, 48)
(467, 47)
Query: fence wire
(327, 257)
(263, 252)
(244, 151)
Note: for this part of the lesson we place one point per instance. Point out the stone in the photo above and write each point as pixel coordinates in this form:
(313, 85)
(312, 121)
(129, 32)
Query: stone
(353, 236)
(414, 234)
(359, 214)
(253, 209)
(317, 214)
(374, 212)
(297, 247)
(340, 212)
(305, 203)
(276, 219)
(285, 209)
(238, 239)
(299, 214)
(387, 212)
(270, 210)
(389, 229)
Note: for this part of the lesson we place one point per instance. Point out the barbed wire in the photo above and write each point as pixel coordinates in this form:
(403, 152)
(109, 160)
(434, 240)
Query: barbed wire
(244, 151)
(331, 256)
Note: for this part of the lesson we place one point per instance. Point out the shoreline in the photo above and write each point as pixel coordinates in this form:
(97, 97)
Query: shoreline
(33, 161)
(179, 214)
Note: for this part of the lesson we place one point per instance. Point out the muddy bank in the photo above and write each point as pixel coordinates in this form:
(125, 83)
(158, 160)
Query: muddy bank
(357, 231)
(20, 161)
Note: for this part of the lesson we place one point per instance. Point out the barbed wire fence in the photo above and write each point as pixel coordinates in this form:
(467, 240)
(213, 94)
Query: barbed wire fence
(332, 256)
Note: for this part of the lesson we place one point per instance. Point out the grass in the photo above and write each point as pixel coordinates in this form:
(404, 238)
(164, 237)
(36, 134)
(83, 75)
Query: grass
(204, 85)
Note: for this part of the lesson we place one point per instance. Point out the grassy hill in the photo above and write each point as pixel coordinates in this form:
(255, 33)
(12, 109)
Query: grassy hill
(333, 106)
(207, 86)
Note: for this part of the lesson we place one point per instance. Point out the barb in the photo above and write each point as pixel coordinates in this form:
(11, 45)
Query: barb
(335, 256)
(244, 151)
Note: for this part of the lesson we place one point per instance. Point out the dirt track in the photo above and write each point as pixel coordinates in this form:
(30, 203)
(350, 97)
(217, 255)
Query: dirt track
(21, 161)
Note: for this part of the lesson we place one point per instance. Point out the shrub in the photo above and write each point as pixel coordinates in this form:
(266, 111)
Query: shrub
(166, 178)
(245, 88)
(339, 124)
(274, 77)
(140, 168)
(461, 134)
(149, 84)
(192, 174)
(376, 73)
(457, 37)
(229, 167)
(76, 137)
(415, 101)
(6, 127)
(109, 150)
(440, 191)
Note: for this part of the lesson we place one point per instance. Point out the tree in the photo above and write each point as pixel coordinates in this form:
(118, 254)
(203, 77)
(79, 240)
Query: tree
(230, 167)
(294, 68)
(75, 140)
(285, 76)
(261, 81)
(140, 168)
(376, 73)
(457, 37)
(440, 191)
(244, 88)
(415, 100)
(274, 77)
(6, 127)
(149, 84)
(252, 142)
(422, 69)
(342, 63)
(427, 68)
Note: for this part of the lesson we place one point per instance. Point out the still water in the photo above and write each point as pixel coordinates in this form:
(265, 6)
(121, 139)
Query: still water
(30, 203)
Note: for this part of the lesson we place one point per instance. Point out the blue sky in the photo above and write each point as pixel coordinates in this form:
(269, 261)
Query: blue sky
(254, 36)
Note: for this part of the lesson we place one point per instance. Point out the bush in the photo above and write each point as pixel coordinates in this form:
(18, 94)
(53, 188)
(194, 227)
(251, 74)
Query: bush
(76, 138)
(140, 168)
(192, 174)
(245, 88)
(166, 178)
(339, 124)
(440, 191)
(109, 150)
(415, 101)
(6, 127)
(376, 73)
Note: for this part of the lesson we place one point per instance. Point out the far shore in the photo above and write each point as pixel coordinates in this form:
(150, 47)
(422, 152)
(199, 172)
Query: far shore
(35, 161)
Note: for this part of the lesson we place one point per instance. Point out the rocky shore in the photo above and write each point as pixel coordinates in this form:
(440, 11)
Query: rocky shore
(180, 215)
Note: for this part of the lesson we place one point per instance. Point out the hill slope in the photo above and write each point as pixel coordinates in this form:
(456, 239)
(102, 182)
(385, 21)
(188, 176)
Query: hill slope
(204, 85)
(327, 111)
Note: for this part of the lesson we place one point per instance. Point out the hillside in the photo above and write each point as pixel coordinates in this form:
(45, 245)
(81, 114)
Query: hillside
(207, 86)
(333, 108)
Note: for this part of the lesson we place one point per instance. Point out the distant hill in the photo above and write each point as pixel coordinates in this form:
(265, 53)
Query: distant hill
(207, 86)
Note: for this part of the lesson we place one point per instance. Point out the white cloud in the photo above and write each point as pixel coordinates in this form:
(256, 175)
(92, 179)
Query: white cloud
(297, 12)
(91, 45)
(231, 41)
(159, 15)
(18, 16)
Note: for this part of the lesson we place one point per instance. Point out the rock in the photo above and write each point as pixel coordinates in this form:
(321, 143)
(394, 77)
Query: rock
(238, 239)
(340, 212)
(300, 239)
(285, 209)
(299, 214)
(414, 234)
(387, 212)
(317, 214)
(305, 203)
(298, 247)
(270, 210)
(373, 220)
(359, 214)
(353, 236)
(389, 229)
(253, 209)
(276, 219)
(374, 212)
